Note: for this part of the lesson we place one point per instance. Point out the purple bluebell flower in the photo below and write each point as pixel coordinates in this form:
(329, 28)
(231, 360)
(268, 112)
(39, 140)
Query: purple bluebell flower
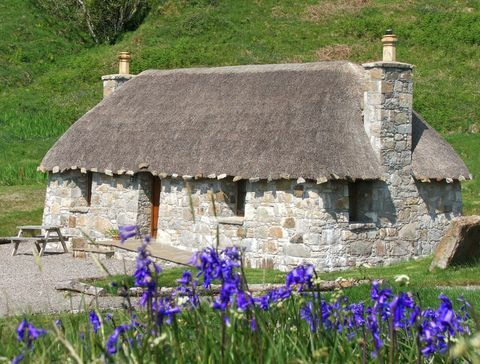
(308, 315)
(446, 315)
(146, 273)
(186, 278)
(165, 308)
(94, 321)
(28, 333)
(127, 232)
(112, 342)
(253, 324)
(400, 306)
(18, 358)
(372, 325)
(301, 277)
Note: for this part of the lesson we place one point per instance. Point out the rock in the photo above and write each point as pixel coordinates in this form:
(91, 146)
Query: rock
(361, 248)
(275, 232)
(80, 287)
(295, 250)
(289, 223)
(297, 239)
(408, 232)
(460, 244)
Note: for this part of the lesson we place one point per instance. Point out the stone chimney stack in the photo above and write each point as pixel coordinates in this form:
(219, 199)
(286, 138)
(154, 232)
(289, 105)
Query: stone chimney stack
(113, 82)
(388, 108)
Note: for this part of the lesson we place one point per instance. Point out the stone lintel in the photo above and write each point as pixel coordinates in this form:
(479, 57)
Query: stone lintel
(231, 220)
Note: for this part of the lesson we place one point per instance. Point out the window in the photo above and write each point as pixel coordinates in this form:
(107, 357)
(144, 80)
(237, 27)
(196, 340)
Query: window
(241, 195)
(370, 202)
(360, 201)
(352, 202)
(89, 188)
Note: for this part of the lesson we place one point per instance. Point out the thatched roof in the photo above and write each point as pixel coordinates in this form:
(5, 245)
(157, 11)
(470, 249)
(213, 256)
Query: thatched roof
(268, 121)
(433, 158)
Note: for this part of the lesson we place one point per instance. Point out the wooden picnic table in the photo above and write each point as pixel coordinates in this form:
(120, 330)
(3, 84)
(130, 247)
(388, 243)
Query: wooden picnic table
(40, 235)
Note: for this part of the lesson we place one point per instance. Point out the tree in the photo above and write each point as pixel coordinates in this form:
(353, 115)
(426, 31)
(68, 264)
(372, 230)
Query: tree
(105, 20)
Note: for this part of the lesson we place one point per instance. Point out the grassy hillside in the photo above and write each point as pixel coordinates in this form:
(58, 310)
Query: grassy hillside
(49, 76)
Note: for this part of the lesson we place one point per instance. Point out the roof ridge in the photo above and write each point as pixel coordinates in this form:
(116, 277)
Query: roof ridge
(258, 68)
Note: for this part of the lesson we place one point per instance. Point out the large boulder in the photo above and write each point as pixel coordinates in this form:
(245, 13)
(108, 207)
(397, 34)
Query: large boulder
(460, 245)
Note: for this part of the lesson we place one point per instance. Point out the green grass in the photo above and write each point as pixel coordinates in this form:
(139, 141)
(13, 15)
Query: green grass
(20, 205)
(49, 76)
(168, 278)
(427, 284)
(468, 147)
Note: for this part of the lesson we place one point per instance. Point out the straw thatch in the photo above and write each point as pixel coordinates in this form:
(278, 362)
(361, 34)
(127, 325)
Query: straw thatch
(269, 121)
(433, 158)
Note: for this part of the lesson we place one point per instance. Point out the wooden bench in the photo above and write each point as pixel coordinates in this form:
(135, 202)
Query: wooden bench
(39, 243)
(49, 234)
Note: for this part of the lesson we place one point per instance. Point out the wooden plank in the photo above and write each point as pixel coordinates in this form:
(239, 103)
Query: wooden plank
(38, 227)
(26, 239)
(161, 251)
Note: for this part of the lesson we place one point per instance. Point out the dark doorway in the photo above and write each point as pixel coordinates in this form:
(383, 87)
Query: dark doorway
(155, 201)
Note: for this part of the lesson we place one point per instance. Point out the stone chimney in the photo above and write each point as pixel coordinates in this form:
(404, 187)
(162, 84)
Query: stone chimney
(113, 82)
(388, 108)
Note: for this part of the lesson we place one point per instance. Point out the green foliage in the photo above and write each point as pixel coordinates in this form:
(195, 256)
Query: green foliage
(104, 20)
(468, 147)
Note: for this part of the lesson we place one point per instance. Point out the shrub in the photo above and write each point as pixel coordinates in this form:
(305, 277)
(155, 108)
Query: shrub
(104, 20)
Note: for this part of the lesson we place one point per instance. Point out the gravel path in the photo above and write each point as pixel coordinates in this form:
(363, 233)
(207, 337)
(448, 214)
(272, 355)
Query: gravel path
(26, 288)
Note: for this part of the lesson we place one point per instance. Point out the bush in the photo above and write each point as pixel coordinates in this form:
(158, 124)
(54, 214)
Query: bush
(104, 20)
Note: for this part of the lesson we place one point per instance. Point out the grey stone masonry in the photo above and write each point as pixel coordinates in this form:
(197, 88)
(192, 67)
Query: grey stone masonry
(285, 223)
(115, 201)
(113, 82)
(388, 113)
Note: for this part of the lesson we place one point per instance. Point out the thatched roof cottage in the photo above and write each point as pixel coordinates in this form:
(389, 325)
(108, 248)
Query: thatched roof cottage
(321, 162)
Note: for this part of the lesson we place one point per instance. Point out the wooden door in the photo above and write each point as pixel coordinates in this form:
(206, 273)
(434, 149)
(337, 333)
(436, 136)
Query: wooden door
(155, 202)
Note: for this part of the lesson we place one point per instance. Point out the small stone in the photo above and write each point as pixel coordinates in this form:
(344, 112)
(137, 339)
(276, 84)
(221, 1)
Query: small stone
(361, 248)
(297, 239)
(270, 247)
(380, 249)
(72, 221)
(241, 232)
(408, 232)
(289, 223)
(296, 250)
(275, 232)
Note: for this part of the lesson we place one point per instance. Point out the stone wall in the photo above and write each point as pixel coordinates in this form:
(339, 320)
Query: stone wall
(187, 214)
(66, 192)
(285, 223)
(115, 201)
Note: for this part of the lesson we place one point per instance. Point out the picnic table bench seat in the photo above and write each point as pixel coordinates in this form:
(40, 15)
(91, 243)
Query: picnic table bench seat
(50, 234)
